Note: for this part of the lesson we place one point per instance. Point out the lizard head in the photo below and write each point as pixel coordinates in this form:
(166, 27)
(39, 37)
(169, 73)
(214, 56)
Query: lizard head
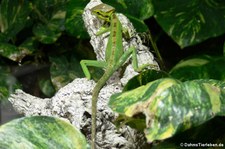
(103, 11)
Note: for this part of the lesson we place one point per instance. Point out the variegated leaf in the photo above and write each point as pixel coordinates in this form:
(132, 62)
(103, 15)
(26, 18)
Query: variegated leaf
(41, 132)
(192, 21)
(171, 106)
(204, 67)
(144, 77)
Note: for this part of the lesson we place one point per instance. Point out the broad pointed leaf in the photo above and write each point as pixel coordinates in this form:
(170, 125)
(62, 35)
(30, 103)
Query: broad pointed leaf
(46, 86)
(171, 106)
(74, 22)
(202, 67)
(191, 21)
(11, 52)
(13, 17)
(52, 18)
(40, 132)
(144, 78)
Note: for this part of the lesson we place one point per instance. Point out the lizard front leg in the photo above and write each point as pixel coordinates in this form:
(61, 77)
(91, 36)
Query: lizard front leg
(85, 63)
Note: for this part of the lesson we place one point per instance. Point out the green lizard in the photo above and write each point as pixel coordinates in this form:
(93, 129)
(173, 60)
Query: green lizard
(115, 56)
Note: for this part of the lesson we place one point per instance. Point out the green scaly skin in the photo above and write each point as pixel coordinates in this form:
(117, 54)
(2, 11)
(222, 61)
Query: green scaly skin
(115, 57)
(110, 69)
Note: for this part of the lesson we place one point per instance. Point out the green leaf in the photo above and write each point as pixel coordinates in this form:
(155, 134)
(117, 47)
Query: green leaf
(52, 17)
(47, 87)
(28, 46)
(46, 34)
(184, 106)
(171, 106)
(18, 53)
(74, 22)
(8, 82)
(3, 37)
(40, 132)
(191, 22)
(202, 67)
(143, 78)
(11, 52)
(139, 25)
(13, 17)
(137, 11)
(139, 95)
(137, 122)
(64, 69)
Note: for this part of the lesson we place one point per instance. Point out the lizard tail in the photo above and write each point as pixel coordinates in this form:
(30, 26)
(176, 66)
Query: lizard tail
(101, 82)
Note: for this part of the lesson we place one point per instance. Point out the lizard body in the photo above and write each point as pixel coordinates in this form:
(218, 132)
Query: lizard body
(112, 56)
(115, 57)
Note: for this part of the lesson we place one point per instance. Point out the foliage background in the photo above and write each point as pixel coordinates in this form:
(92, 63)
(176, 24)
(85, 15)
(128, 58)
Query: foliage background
(42, 42)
